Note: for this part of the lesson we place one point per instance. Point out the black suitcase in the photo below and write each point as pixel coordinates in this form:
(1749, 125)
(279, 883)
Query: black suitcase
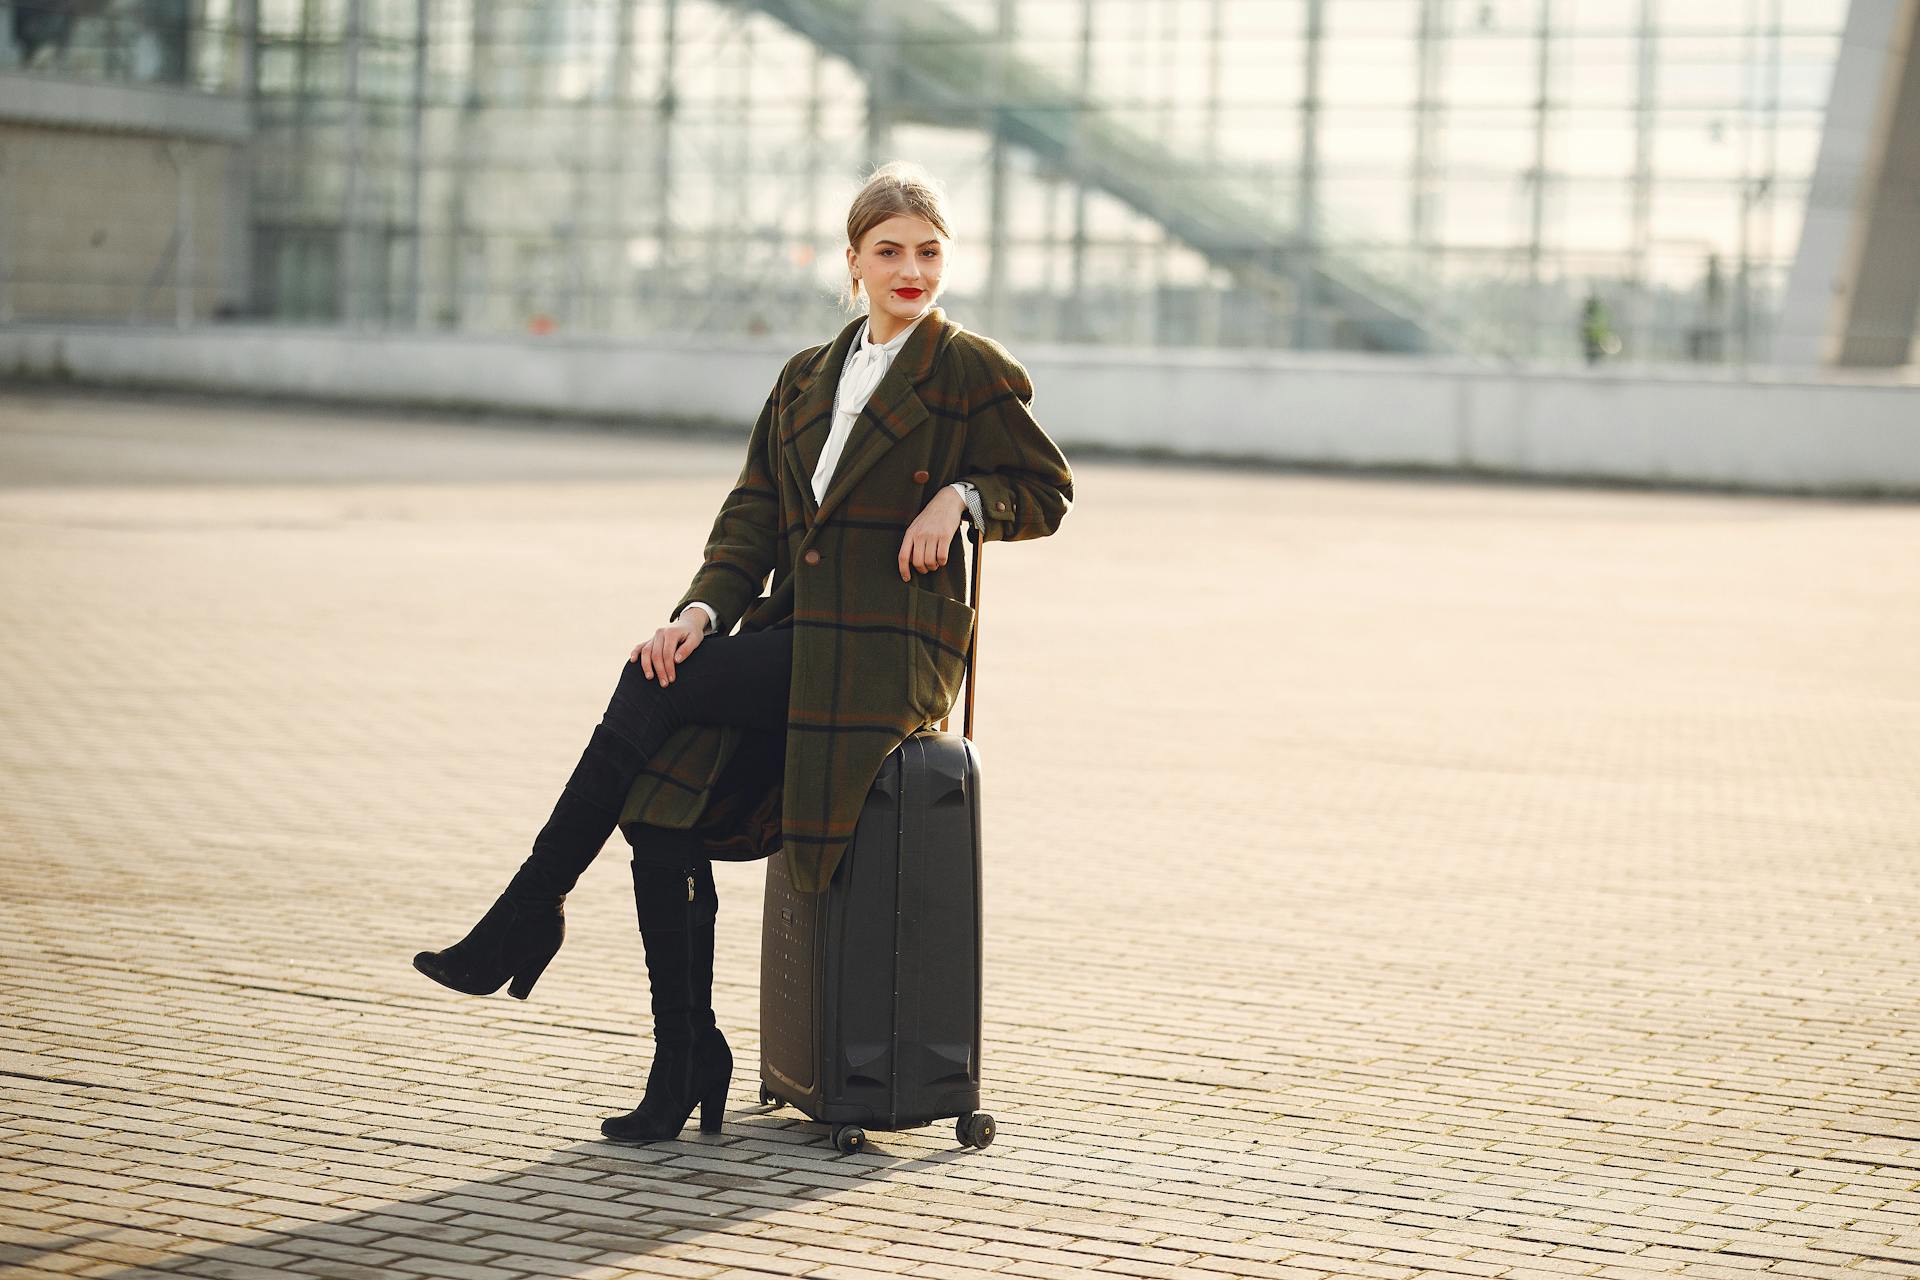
(870, 992)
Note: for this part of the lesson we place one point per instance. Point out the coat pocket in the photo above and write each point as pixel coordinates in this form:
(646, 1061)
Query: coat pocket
(938, 630)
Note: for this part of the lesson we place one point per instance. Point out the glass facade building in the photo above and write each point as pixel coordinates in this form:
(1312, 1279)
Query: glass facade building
(1526, 178)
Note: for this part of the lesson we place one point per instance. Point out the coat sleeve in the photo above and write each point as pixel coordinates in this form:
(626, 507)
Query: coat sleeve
(740, 549)
(1024, 482)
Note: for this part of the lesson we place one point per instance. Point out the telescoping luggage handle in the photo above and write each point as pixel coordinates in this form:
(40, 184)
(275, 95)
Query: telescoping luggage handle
(973, 640)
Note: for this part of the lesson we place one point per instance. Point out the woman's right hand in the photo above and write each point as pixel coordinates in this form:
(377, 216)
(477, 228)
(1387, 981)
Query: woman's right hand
(670, 645)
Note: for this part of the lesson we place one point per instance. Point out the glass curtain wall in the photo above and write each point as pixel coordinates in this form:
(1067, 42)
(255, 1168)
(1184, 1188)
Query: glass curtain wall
(1525, 178)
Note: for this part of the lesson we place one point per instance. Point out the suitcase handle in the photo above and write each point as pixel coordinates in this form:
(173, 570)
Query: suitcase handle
(973, 638)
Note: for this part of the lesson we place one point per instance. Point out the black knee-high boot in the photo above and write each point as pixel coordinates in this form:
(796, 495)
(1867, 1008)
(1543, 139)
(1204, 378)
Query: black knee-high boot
(522, 931)
(692, 1063)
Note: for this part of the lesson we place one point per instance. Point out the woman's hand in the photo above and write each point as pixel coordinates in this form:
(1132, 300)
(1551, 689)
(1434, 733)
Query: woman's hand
(670, 645)
(931, 533)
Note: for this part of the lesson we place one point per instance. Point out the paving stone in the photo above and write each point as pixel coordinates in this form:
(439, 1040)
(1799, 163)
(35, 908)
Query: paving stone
(1384, 878)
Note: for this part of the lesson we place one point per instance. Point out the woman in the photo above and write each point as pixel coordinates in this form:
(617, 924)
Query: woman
(865, 458)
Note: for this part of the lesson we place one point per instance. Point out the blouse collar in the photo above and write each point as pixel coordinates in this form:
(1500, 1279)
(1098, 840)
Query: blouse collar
(892, 345)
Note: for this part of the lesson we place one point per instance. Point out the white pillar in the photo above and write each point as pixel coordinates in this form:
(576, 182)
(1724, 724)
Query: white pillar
(1855, 286)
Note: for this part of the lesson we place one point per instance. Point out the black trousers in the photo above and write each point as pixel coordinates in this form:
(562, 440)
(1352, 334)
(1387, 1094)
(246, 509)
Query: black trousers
(729, 680)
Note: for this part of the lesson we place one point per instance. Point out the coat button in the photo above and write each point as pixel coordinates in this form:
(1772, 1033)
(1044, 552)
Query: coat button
(919, 477)
(812, 556)
(999, 506)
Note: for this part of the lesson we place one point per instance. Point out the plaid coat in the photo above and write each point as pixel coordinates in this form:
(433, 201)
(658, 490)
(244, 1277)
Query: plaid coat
(874, 658)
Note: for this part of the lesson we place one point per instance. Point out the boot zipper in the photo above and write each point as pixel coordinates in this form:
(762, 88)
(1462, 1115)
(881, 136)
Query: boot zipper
(689, 888)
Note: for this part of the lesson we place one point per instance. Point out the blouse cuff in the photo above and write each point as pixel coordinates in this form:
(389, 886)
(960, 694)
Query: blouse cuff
(971, 496)
(713, 619)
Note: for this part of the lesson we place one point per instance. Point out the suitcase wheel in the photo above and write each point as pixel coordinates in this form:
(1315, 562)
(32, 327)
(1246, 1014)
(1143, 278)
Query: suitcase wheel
(849, 1138)
(766, 1097)
(975, 1130)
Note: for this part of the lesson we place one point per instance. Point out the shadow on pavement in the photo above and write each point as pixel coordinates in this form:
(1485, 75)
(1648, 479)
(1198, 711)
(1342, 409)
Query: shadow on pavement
(585, 1208)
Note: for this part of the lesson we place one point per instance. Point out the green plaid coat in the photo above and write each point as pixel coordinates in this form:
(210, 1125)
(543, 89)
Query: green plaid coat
(874, 658)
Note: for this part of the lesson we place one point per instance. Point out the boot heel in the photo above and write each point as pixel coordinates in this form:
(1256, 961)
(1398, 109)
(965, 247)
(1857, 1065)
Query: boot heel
(522, 985)
(713, 1109)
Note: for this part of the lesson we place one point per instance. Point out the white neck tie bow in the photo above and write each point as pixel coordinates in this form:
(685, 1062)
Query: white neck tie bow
(865, 368)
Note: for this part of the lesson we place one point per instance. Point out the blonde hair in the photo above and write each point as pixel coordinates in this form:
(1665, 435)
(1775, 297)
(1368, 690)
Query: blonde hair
(895, 188)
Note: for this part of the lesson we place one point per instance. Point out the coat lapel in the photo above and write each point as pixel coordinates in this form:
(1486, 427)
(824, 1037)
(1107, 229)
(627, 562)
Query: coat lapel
(893, 411)
(811, 418)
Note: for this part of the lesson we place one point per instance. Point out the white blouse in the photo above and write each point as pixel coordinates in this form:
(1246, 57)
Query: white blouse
(867, 363)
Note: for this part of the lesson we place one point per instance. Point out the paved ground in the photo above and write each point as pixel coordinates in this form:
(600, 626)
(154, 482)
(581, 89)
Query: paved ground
(1386, 879)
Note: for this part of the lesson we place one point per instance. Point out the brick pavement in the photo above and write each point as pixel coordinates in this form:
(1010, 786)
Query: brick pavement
(1386, 879)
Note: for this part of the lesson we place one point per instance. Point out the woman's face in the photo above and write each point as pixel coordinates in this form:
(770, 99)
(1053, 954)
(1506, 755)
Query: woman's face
(899, 263)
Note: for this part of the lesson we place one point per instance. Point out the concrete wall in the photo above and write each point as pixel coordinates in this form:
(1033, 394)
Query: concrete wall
(120, 202)
(88, 219)
(1799, 433)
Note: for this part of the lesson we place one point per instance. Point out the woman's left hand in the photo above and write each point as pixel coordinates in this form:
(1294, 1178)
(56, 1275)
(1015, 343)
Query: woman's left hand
(931, 533)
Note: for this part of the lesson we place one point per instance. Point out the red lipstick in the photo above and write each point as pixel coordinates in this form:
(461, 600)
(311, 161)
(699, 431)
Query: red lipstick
(909, 293)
